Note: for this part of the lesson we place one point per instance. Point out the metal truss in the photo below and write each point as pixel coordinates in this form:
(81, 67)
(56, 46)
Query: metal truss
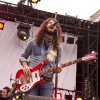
(87, 32)
(90, 72)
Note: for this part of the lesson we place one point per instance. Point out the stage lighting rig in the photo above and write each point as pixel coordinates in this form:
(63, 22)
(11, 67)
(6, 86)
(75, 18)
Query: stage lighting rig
(18, 96)
(78, 98)
(1, 25)
(21, 2)
(34, 1)
(29, 2)
(23, 31)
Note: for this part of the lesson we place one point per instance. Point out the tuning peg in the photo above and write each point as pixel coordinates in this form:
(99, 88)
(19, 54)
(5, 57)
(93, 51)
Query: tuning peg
(93, 52)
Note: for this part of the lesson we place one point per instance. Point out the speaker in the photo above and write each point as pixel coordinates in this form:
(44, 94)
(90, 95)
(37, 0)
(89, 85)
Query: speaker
(32, 97)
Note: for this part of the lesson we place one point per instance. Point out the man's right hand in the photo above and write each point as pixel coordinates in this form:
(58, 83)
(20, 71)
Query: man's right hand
(27, 70)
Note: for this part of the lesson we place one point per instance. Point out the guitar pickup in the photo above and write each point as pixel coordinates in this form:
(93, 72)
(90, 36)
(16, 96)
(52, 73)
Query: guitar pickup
(36, 75)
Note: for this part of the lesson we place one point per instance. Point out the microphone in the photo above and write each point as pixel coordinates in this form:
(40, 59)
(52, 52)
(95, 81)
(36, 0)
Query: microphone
(55, 23)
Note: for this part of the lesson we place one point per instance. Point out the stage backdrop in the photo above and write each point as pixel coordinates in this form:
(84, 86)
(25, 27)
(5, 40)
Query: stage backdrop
(11, 48)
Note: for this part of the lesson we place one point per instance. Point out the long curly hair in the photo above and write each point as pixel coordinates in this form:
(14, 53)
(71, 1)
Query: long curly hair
(40, 33)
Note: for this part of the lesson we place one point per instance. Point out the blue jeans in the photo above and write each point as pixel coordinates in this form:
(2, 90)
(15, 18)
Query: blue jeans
(45, 89)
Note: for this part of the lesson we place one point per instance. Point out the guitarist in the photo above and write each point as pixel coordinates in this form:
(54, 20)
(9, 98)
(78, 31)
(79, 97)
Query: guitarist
(46, 45)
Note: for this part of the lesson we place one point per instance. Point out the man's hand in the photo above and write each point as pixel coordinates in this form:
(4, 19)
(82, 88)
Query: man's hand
(27, 72)
(58, 69)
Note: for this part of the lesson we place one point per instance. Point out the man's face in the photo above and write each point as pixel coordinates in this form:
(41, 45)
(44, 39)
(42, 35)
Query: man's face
(50, 26)
(4, 93)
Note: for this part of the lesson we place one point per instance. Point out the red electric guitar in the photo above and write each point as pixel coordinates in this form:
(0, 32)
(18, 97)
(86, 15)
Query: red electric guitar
(25, 84)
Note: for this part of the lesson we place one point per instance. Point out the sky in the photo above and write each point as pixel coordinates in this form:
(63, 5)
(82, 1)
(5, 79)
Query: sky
(83, 9)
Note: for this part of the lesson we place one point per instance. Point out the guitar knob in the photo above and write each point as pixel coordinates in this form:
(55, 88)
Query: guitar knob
(22, 87)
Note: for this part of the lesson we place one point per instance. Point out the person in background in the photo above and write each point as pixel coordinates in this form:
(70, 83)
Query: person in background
(45, 46)
(5, 94)
(0, 93)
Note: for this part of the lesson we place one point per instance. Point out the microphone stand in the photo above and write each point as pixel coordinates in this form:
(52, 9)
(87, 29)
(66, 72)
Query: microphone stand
(56, 74)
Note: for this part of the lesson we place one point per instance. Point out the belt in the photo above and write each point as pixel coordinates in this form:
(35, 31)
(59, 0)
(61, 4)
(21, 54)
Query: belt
(47, 79)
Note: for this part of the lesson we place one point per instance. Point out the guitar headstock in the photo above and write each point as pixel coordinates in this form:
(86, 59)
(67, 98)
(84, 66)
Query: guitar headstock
(91, 56)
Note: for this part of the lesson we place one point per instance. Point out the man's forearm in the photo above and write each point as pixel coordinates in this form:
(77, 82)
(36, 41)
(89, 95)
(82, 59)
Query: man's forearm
(24, 64)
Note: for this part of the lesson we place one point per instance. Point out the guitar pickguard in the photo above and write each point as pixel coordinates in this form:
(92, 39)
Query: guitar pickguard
(31, 82)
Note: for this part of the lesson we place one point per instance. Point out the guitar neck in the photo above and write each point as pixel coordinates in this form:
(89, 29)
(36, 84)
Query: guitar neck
(71, 62)
(43, 72)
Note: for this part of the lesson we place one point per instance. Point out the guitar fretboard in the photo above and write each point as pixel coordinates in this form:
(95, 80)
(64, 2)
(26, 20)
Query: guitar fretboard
(62, 66)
